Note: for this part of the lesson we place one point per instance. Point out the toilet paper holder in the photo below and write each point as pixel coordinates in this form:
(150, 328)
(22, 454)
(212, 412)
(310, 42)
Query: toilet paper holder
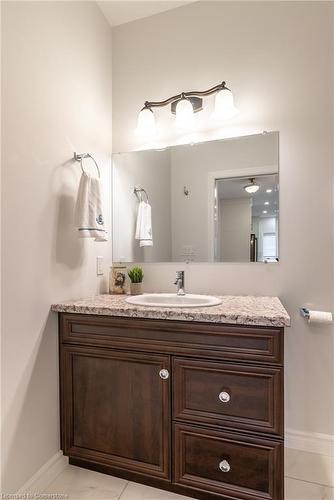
(316, 316)
(305, 312)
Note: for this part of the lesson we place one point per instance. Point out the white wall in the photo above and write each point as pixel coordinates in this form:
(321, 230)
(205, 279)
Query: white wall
(277, 57)
(56, 84)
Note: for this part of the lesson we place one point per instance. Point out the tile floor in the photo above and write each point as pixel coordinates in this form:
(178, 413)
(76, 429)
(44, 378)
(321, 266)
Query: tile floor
(84, 484)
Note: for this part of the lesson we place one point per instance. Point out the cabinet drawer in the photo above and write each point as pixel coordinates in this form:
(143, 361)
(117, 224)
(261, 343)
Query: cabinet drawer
(230, 395)
(228, 464)
(212, 340)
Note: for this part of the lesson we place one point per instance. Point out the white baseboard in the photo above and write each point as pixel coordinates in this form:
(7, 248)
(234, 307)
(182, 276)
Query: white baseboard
(313, 442)
(45, 475)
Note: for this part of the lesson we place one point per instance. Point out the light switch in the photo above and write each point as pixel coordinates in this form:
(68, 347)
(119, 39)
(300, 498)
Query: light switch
(99, 265)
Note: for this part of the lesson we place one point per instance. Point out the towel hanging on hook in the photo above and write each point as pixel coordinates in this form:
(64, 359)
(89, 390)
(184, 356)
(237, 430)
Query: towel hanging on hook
(89, 218)
(81, 156)
(138, 192)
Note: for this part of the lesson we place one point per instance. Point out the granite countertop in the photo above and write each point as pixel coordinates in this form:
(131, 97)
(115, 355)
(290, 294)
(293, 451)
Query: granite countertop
(239, 310)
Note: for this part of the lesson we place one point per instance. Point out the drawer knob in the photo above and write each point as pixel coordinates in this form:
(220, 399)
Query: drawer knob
(164, 374)
(224, 397)
(224, 466)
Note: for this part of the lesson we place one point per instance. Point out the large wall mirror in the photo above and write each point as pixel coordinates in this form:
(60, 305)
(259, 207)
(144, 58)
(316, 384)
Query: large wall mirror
(215, 201)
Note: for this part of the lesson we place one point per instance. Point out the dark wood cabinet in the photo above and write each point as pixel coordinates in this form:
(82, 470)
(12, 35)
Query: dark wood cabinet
(226, 394)
(195, 408)
(117, 408)
(227, 463)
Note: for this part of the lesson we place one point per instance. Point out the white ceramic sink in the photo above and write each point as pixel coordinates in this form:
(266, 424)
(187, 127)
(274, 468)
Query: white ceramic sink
(173, 300)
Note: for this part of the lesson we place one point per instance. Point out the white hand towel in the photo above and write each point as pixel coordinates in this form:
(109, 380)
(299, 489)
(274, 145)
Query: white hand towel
(88, 211)
(144, 225)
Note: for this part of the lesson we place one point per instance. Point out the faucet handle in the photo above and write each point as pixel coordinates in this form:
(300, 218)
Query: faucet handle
(180, 282)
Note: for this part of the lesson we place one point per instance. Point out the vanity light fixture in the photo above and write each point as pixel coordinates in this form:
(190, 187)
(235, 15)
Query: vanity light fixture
(264, 211)
(268, 190)
(146, 122)
(252, 187)
(266, 203)
(185, 104)
(184, 113)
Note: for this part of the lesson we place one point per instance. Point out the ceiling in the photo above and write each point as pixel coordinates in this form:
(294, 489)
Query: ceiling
(234, 189)
(125, 11)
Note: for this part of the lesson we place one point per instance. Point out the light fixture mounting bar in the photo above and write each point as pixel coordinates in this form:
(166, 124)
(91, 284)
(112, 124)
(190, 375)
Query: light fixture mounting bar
(185, 95)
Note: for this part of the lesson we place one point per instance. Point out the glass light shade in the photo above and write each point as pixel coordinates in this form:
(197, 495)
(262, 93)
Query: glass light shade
(224, 105)
(146, 122)
(184, 114)
(252, 188)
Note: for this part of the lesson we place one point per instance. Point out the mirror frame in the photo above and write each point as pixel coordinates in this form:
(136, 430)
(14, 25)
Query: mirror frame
(212, 177)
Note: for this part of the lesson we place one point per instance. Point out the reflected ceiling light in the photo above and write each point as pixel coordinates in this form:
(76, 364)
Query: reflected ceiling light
(252, 187)
(146, 122)
(266, 203)
(185, 104)
(264, 211)
(268, 190)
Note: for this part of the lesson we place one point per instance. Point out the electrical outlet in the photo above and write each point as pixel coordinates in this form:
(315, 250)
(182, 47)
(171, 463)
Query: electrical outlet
(99, 265)
(188, 252)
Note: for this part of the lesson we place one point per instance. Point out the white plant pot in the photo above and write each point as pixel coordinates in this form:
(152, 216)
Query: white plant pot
(136, 288)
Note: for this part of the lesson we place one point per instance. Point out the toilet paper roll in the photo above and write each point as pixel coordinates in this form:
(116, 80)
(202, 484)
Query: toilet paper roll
(320, 317)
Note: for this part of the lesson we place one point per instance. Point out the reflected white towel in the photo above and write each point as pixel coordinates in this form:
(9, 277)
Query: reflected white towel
(88, 211)
(144, 225)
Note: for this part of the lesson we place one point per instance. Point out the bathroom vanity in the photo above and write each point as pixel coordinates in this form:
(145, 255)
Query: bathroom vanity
(188, 400)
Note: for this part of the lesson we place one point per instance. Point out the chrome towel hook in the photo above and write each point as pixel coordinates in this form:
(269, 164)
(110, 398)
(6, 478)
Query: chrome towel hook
(81, 156)
(138, 192)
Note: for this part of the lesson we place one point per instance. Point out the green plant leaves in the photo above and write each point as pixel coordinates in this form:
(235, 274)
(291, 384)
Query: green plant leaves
(136, 274)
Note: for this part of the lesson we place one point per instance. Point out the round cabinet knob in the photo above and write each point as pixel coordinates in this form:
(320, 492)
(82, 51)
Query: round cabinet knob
(224, 466)
(224, 397)
(164, 374)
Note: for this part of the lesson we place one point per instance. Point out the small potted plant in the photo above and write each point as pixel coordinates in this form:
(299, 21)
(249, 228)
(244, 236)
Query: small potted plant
(136, 277)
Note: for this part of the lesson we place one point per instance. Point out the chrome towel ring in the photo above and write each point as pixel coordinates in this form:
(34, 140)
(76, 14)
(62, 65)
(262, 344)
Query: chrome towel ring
(81, 156)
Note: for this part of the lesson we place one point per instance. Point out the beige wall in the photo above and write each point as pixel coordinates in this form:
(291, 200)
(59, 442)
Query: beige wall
(277, 57)
(56, 83)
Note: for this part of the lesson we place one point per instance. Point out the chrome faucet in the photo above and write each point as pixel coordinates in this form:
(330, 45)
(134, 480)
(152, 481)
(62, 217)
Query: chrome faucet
(179, 282)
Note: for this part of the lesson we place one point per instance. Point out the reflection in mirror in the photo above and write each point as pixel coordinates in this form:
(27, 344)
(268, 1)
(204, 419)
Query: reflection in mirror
(197, 208)
(246, 223)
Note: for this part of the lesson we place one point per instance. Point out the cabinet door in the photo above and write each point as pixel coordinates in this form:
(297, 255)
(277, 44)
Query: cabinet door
(116, 409)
